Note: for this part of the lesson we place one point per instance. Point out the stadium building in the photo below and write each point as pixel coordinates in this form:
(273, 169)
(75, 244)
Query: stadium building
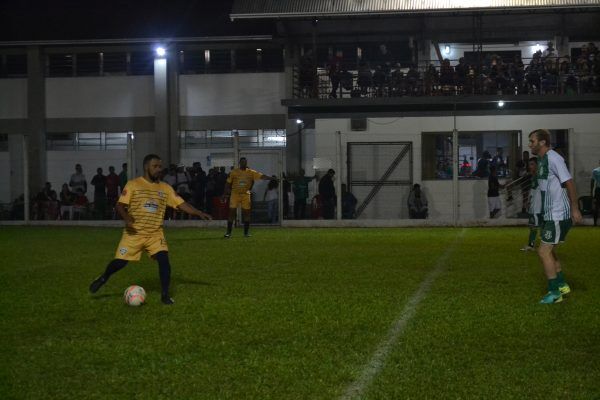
(388, 94)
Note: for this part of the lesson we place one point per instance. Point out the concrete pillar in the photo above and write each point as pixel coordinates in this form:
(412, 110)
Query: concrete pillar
(173, 100)
(424, 52)
(36, 115)
(162, 142)
(293, 146)
(293, 140)
(15, 151)
(561, 44)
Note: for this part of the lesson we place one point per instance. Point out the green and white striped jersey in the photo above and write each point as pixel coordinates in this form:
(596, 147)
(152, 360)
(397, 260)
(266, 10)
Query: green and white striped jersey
(552, 173)
(535, 197)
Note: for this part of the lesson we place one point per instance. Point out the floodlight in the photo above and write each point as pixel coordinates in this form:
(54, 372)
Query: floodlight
(160, 51)
(501, 104)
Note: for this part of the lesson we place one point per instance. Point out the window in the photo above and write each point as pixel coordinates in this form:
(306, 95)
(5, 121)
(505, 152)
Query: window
(60, 65)
(477, 152)
(13, 65)
(246, 60)
(141, 63)
(86, 141)
(219, 61)
(224, 139)
(114, 63)
(88, 64)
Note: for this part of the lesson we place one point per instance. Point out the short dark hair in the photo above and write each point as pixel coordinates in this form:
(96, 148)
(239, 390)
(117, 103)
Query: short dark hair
(542, 134)
(149, 158)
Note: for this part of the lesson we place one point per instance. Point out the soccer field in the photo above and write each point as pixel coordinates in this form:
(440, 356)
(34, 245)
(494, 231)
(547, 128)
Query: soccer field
(436, 313)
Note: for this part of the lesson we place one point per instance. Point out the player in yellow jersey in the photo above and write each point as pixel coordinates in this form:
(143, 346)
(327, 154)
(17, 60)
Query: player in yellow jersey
(239, 183)
(142, 206)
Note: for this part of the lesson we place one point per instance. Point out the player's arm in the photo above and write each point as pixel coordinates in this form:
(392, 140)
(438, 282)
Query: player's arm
(592, 184)
(268, 178)
(572, 192)
(227, 190)
(120, 207)
(188, 208)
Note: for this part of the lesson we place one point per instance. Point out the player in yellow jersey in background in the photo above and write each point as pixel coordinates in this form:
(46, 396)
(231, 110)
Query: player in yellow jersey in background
(142, 206)
(239, 183)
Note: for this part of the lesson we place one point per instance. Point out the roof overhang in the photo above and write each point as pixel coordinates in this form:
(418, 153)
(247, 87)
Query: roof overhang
(255, 9)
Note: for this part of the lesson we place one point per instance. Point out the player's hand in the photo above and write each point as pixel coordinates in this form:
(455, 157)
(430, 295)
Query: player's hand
(205, 216)
(576, 216)
(129, 223)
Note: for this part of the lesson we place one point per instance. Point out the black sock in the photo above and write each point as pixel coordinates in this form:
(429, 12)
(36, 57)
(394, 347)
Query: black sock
(246, 227)
(114, 266)
(229, 226)
(164, 271)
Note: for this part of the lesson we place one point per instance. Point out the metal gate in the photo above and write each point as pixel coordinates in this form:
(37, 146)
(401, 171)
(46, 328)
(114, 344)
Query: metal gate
(380, 175)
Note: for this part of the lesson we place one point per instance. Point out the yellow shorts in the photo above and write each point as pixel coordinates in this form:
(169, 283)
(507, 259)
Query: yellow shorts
(131, 246)
(243, 199)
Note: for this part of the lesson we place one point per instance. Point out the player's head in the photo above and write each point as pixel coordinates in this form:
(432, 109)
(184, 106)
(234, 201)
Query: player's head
(152, 167)
(539, 141)
(331, 172)
(243, 162)
(532, 165)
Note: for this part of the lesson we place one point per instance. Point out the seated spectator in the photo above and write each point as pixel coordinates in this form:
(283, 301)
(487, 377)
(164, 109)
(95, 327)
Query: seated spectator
(379, 81)
(446, 73)
(348, 203)
(417, 203)
(52, 207)
(41, 200)
(81, 204)
(365, 78)
(67, 200)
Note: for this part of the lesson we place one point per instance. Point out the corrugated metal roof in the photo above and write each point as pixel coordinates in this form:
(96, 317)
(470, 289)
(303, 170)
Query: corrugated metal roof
(309, 8)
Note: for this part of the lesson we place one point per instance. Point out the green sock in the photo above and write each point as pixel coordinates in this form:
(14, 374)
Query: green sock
(553, 285)
(560, 278)
(532, 235)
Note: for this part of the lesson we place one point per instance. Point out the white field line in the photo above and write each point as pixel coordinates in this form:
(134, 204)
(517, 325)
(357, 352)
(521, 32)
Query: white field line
(357, 388)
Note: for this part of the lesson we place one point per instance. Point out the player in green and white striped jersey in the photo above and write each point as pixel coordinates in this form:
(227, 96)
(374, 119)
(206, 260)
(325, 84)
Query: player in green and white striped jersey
(559, 208)
(535, 205)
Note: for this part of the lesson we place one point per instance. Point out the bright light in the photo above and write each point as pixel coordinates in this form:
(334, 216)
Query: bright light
(299, 121)
(500, 104)
(160, 51)
(447, 49)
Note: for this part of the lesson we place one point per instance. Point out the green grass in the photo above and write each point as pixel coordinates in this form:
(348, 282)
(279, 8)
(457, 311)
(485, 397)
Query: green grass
(297, 314)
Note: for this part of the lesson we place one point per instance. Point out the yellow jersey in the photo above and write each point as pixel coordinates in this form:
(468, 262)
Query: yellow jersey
(241, 180)
(147, 202)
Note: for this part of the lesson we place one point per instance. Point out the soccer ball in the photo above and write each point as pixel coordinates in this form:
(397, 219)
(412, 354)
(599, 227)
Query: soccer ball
(134, 295)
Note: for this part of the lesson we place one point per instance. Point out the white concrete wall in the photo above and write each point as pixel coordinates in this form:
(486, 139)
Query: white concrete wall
(584, 144)
(13, 98)
(231, 94)
(118, 96)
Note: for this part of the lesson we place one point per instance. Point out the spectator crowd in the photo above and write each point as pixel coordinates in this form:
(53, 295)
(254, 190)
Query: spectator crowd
(545, 73)
(204, 190)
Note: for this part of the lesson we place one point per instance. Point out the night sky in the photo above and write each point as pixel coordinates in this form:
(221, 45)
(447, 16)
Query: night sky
(111, 19)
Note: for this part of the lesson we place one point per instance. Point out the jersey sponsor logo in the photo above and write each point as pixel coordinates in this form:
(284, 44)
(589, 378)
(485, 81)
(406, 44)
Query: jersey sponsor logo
(151, 206)
(123, 251)
(548, 235)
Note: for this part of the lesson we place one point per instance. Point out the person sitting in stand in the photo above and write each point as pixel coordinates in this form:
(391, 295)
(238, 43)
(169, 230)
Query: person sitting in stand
(417, 203)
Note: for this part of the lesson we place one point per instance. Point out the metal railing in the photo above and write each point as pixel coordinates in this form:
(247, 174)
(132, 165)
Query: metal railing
(441, 81)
